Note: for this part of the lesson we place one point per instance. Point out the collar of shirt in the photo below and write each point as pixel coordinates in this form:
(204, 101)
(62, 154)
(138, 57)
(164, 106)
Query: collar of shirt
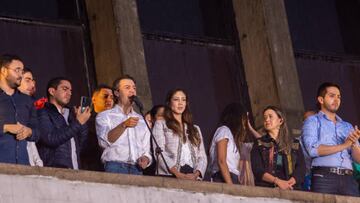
(338, 119)
(118, 108)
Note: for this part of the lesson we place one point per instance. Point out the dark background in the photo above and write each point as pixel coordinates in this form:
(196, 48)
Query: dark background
(191, 44)
(326, 42)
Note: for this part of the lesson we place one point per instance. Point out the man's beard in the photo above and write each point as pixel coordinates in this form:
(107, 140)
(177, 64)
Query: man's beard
(61, 103)
(13, 84)
(328, 108)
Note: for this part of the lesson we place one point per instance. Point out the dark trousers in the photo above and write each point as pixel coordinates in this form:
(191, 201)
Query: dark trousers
(325, 182)
(217, 177)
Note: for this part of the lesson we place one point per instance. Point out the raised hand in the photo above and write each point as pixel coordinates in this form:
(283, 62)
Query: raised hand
(82, 117)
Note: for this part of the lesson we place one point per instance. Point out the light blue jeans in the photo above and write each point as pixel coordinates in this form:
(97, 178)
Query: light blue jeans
(123, 168)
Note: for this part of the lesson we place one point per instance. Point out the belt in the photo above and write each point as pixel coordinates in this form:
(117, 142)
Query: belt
(334, 170)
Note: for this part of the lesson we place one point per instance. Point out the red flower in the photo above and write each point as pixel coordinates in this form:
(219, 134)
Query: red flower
(40, 103)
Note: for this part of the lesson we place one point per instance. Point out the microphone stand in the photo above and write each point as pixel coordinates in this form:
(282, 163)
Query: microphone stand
(158, 150)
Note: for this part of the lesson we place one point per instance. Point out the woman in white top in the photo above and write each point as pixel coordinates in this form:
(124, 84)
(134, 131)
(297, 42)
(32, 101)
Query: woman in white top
(180, 140)
(229, 154)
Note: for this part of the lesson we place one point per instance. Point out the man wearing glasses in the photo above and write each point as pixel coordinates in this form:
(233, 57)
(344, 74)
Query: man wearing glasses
(18, 118)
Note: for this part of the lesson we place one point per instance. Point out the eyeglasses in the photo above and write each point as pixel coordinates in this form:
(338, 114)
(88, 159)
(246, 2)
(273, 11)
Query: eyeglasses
(17, 70)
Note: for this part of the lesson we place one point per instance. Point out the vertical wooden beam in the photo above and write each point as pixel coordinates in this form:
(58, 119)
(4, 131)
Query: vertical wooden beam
(104, 40)
(130, 42)
(117, 43)
(268, 59)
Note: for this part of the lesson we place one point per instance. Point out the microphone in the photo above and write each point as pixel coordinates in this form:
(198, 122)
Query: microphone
(137, 102)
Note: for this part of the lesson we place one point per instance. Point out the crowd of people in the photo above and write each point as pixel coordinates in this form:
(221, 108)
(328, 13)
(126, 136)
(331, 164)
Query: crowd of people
(167, 143)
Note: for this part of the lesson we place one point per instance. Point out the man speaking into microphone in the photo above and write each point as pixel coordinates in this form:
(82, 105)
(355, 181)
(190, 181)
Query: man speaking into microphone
(122, 132)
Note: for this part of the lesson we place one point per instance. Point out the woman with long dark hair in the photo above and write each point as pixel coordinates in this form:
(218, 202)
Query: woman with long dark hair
(229, 152)
(180, 140)
(277, 159)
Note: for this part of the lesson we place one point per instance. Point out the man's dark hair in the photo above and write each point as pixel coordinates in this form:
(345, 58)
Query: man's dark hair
(322, 90)
(28, 70)
(54, 83)
(117, 81)
(6, 59)
(101, 86)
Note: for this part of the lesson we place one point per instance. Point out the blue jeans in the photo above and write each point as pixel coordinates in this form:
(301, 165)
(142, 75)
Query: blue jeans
(334, 184)
(123, 168)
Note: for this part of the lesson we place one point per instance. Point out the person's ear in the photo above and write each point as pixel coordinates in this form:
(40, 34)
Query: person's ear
(320, 99)
(3, 70)
(51, 91)
(93, 98)
(117, 93)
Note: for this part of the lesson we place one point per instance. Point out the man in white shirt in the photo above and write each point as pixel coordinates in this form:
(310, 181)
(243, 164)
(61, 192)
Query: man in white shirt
(27, 86)
(122, 132)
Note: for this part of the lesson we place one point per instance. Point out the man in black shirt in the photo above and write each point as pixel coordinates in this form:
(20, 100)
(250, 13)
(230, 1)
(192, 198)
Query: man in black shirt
(18, 120)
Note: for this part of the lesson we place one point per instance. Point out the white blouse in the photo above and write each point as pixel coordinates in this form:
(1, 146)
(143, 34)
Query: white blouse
(185, 157)
(232, 156)
(177, 154)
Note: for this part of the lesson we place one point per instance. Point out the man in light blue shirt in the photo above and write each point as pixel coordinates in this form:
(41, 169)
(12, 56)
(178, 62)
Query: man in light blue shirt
(332, 144)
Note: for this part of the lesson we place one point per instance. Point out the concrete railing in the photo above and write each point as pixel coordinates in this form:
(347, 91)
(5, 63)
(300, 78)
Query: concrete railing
(35, 184)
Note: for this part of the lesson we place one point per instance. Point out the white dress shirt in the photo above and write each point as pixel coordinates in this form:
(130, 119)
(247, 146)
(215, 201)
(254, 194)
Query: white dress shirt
(65, 113)
(131, 145)
(34, 157)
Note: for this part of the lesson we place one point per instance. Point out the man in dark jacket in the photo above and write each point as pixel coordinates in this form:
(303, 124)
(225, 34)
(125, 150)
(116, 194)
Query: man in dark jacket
(62, 132)
(18, 120)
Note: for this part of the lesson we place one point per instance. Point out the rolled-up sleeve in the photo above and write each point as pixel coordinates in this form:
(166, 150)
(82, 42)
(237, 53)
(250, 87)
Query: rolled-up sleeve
(103, 126)
(310, 138)
(145, 145)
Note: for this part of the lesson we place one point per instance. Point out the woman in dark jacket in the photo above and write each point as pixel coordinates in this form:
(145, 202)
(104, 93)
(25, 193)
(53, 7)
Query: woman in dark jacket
(277, 159)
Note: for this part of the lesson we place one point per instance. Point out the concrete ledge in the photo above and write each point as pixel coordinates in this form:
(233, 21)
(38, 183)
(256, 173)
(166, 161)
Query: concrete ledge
(170, 183)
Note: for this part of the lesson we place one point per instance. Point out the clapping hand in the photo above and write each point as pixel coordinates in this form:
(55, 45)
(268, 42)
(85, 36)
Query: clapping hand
(353, 137)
